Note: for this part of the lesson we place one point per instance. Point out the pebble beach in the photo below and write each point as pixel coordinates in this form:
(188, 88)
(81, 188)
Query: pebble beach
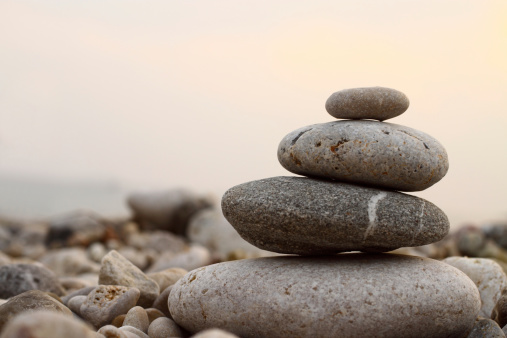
(340, 250)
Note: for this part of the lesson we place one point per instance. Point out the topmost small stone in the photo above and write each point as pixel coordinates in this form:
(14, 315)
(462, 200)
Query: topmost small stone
(376, 103)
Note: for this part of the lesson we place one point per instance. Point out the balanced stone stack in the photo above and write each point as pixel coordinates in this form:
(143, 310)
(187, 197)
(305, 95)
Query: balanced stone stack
(349, 201)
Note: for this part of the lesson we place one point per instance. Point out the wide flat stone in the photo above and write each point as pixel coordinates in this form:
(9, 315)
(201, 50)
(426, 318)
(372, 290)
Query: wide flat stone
(365, 152)
(300, 215)
(378, 103)
(347, 295)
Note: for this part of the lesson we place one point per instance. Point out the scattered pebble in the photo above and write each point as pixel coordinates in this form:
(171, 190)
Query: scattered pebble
(164, 327)
(138, 318)
(486, 328)
(167, 277)
(487, 275)
(106, 302)
(117, 270)
(214, 333)
(75, 304)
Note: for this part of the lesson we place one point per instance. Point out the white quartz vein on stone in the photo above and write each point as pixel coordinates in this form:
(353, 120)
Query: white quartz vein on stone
(421, 221)
(372, 212)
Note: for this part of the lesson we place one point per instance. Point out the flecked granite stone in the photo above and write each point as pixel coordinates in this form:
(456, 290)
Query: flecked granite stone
(347, 295)
(300, 215)
(365, 152)
(378, 103)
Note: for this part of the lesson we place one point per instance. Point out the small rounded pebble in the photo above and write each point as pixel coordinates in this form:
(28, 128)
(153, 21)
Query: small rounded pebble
(164, 327)
(81, 292)
(118, 321)
(378, 103)
(134, 330)
(161, 302)
(154, 314)
(138, 318)
(214, 333)
(75, 304)
(486, 328)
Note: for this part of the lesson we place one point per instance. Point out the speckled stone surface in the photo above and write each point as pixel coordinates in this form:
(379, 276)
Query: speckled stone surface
(365, 152)
(378, 103)
(486, 328)
(300, 215)
(348, 295)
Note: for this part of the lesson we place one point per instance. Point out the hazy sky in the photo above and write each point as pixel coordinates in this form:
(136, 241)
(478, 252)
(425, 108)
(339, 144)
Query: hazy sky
(199, 93)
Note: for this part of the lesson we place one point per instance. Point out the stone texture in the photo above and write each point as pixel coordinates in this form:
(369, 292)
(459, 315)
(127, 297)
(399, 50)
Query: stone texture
(214, 333)
(118, 321)
(348, 295)
(46, 324)
(117, 270)
(164, 327)
(167, 277)
(166, 210)
(377, 103)
(486, 328)
(161, 302)
(499, 313)
(307, 216)
(487, 275)
(210, 229)
(369, 153)
(191, 258)
(18, 278)
(138, 318)
(107, 302)
(30, 301)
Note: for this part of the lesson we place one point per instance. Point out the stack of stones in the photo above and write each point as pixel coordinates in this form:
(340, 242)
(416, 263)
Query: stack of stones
(348, 201)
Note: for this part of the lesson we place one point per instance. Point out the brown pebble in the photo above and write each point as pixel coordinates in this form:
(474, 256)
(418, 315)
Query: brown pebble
(154, 314)
(138, 318)
(118, 321)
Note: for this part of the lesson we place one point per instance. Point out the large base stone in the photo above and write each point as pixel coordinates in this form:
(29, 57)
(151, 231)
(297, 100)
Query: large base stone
(347, 295)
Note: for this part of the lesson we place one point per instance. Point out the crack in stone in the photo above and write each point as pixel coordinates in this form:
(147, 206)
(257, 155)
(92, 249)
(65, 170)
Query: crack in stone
(293, 142)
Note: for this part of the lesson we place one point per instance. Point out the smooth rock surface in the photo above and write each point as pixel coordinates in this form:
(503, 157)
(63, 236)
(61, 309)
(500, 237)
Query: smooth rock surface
(138, 318)
(214, 333)
(117, 270)
(110, 331)
(164, 327)
(487, 275)
(33, 300)
(46, 324)
(75, 304)
(18, 278)
(348, 295)
(486, 328)
(134, 330)
(308, 216)
(107, 302)
(161, 302)
(377, 103)
(369, 153)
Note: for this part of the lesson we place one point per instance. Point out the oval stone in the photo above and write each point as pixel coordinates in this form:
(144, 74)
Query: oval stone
(378, 103)
(347, 295)
(299, 215)
(365, 152)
